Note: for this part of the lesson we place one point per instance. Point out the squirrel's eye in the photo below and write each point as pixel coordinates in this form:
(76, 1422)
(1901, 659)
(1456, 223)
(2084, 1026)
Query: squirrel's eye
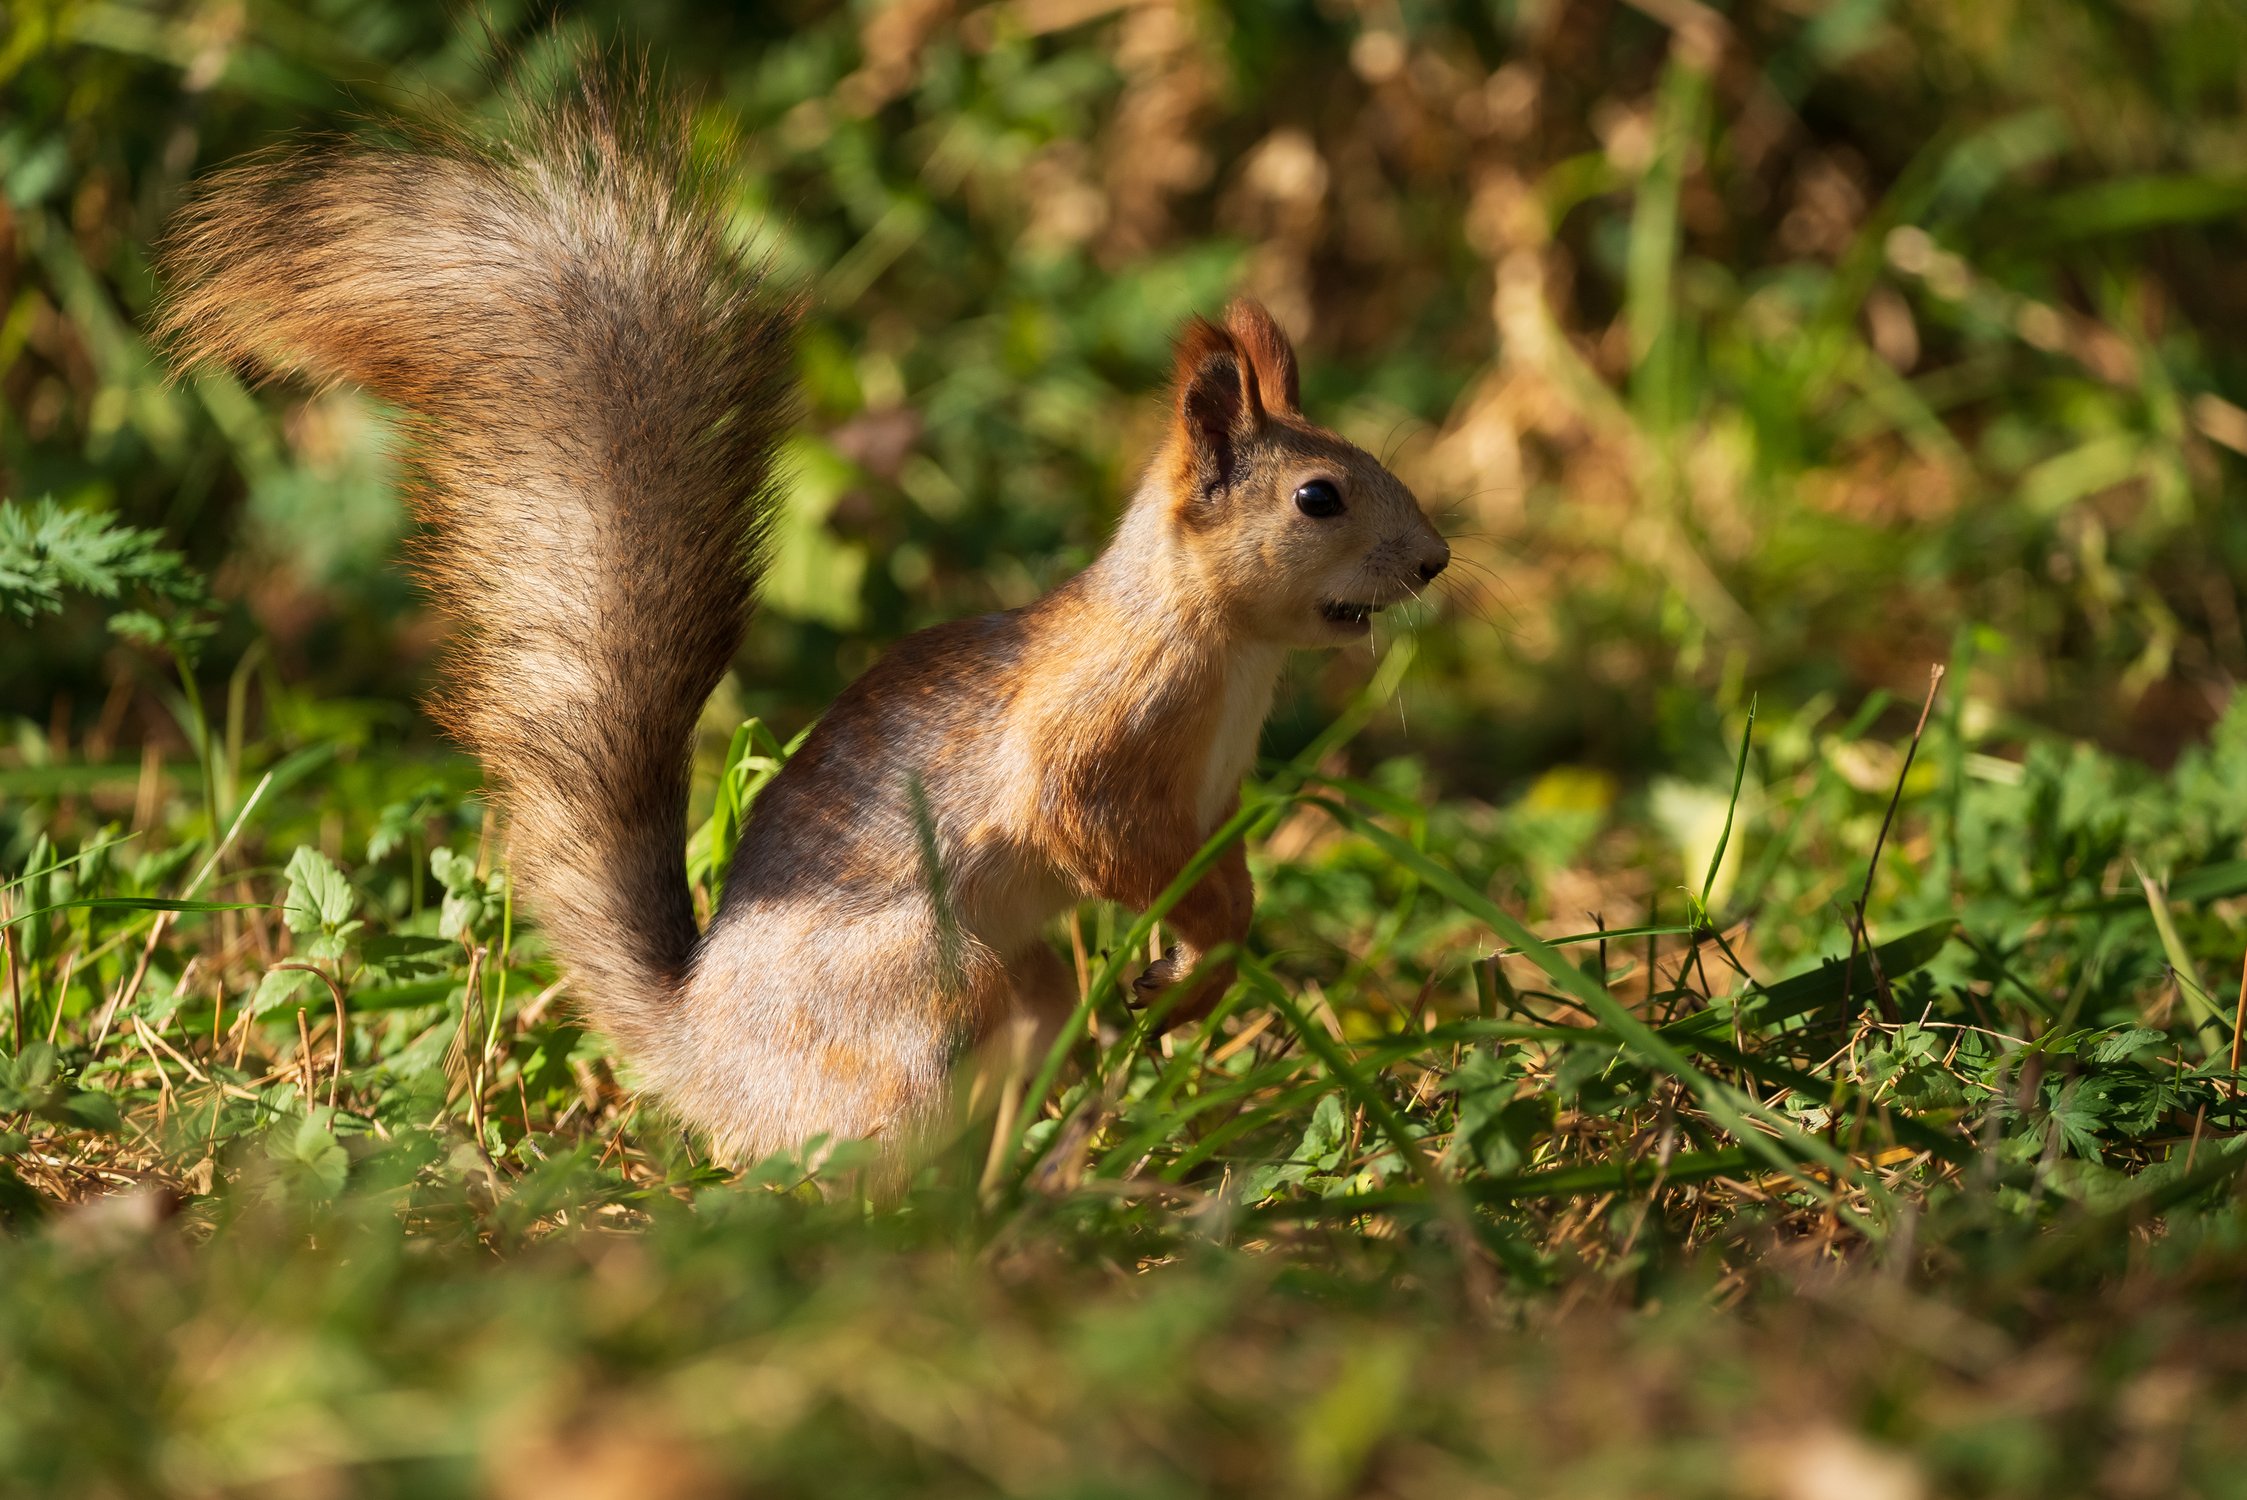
(1319, 498)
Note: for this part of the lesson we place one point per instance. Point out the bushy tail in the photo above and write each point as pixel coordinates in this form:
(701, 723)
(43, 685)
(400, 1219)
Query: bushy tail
(595, 385)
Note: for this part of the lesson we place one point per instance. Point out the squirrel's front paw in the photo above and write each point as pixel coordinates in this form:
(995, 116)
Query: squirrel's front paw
(1161, 974)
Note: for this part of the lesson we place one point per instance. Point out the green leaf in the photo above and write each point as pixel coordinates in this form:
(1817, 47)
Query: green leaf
(32, 1083)
(2125, 1045)
(2129, 204)
(27, 1079)
(408, 996)
(753, 757)
(401, 957)
(309, 1159)
(48, 552)
(471, 902)
(91, 1109)
(2076, 1111)
(320, 898)
(20, 1203)
(282, 987)
(1318, 1151)
(2212, 1020)
(1800, 994)
(1498, 1123)
(130, 903)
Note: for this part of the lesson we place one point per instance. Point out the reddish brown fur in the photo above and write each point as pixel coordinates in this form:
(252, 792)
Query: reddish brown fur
(1271, 358)
(598, 388)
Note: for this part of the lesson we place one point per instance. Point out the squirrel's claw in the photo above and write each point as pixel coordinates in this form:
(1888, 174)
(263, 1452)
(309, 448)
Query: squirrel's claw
(1159, 975)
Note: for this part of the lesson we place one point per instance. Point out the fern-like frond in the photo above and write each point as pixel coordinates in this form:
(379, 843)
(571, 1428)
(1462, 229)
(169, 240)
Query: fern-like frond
(48, 551)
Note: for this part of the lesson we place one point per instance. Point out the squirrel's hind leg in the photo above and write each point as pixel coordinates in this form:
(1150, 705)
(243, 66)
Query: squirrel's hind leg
(794, 1028)
(1036, 999)
(1045, 997)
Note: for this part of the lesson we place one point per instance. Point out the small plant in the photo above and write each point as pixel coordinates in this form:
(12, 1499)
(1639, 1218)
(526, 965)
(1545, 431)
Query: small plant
(49, 552)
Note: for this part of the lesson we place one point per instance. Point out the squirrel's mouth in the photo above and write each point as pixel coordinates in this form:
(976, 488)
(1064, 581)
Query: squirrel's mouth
(1349, 616)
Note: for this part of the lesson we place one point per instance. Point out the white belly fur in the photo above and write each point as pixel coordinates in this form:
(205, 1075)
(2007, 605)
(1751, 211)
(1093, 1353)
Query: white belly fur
(1250, 678)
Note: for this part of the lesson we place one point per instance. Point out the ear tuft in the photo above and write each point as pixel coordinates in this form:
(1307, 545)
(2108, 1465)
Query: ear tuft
(1216, 404)
(1271, 358)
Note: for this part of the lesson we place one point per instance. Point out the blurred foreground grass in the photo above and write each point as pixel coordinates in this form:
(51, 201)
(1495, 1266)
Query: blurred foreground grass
(1759, 359)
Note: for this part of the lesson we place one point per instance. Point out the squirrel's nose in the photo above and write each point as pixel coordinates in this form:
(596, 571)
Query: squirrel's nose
(1434, 563)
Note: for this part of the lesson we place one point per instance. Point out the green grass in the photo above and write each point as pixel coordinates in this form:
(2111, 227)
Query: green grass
(1565, 1132)
(390, 1221)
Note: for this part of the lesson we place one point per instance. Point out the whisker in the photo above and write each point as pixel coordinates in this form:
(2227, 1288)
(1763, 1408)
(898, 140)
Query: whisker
(1482, 575)
(1473, 605)
(1391, 437)
(1481, 572)
(1495, 489)
(1390, 458)
(1420, 599)
(1466, 558)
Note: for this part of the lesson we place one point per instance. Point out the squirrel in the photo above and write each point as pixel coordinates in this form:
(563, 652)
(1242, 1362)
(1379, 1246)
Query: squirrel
(594, 385)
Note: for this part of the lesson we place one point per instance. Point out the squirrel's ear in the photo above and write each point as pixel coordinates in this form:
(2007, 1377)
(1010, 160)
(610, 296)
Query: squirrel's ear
(1271, 358)
(1217, 405)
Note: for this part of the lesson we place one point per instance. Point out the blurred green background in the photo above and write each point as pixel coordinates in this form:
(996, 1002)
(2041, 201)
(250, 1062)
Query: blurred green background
(1781, 347)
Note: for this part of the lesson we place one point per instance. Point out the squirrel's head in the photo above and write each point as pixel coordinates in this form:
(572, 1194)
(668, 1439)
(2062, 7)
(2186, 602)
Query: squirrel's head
(1302, 533)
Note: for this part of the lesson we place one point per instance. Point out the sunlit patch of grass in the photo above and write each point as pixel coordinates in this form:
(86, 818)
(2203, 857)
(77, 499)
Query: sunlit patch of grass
(348, 1115)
